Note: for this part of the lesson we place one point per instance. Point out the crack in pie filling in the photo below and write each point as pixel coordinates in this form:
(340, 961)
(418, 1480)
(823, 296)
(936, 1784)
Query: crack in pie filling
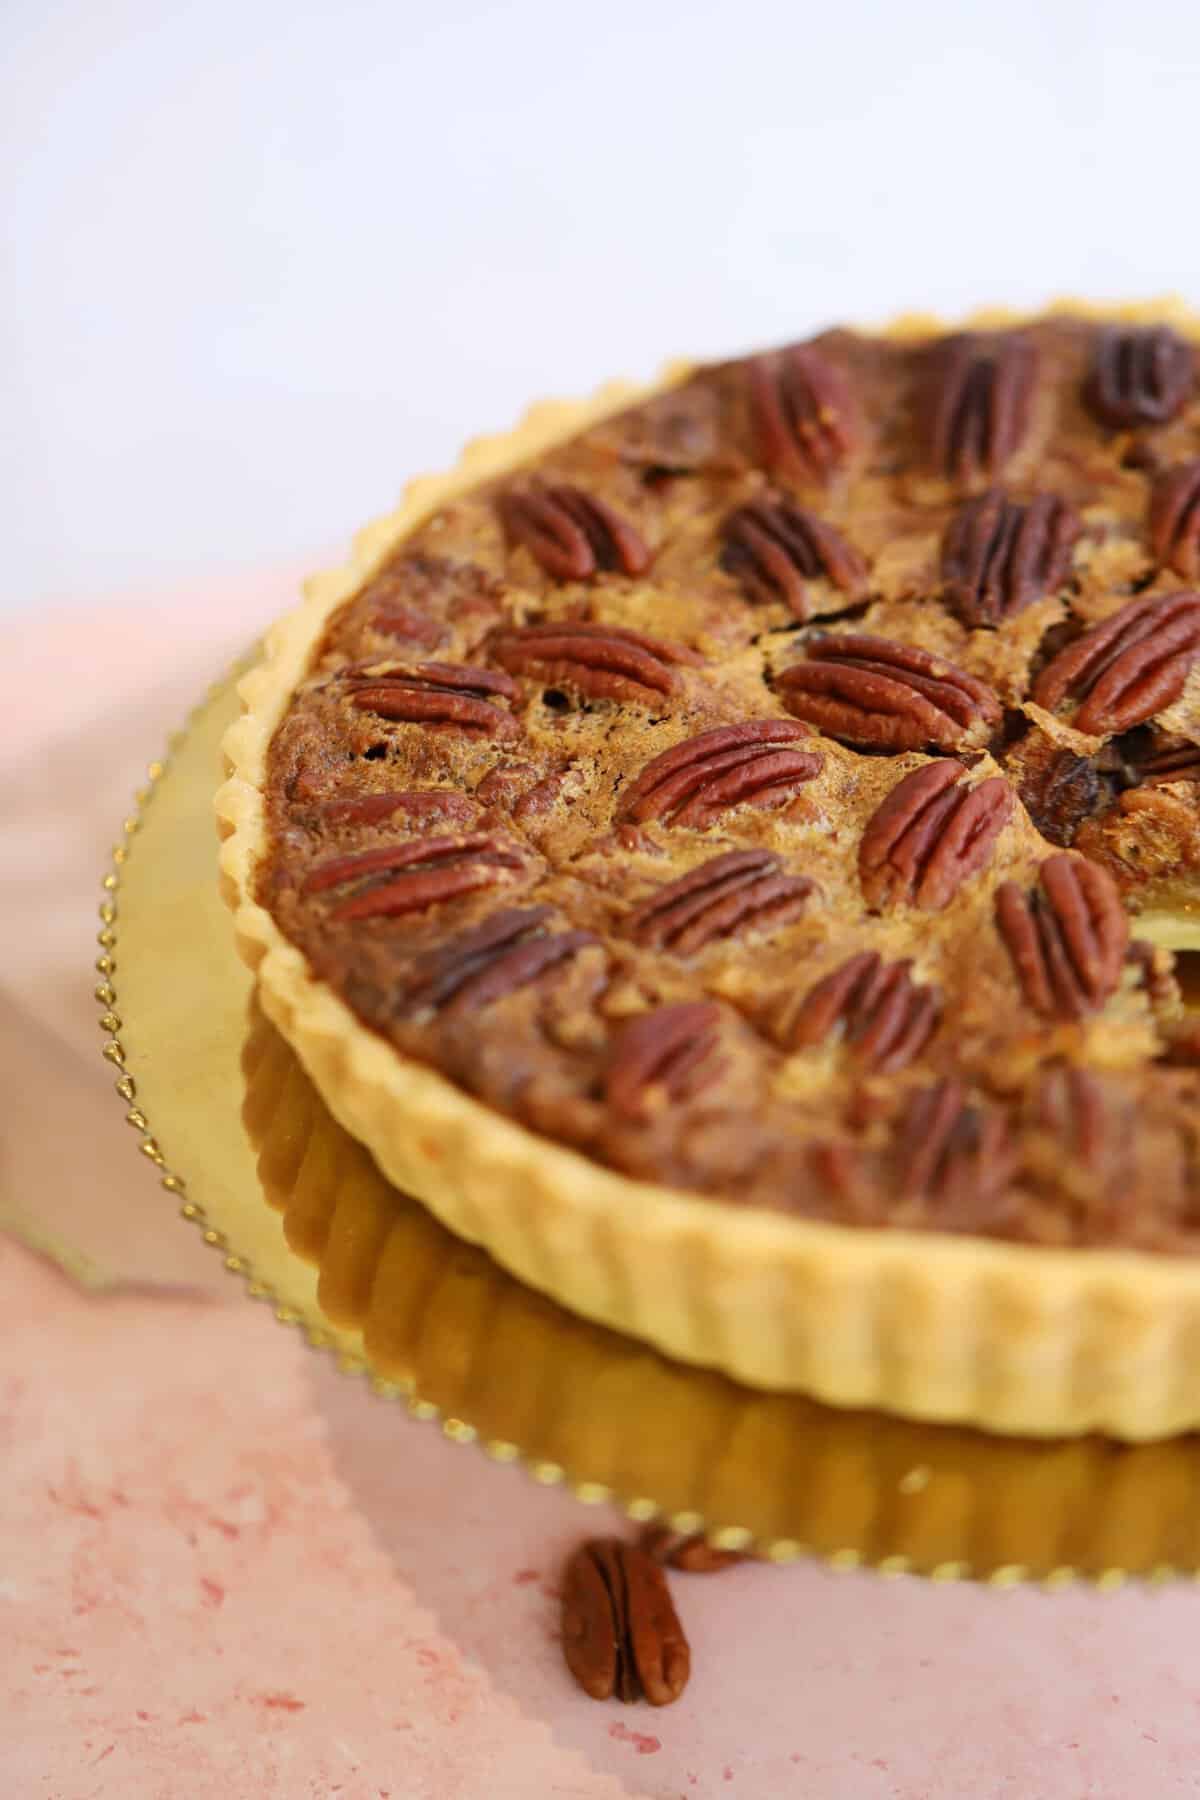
(780, 792)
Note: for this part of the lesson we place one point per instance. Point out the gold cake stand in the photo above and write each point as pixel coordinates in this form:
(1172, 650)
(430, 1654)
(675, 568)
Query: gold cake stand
(300, 1213)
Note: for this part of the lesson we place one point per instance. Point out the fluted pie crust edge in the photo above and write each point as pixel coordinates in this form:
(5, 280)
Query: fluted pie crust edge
(1010, 1337)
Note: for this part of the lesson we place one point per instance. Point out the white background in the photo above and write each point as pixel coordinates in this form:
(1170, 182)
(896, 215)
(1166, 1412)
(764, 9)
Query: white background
(266, 259)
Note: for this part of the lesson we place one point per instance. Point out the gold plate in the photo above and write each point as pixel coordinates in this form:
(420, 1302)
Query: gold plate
(297, 1208)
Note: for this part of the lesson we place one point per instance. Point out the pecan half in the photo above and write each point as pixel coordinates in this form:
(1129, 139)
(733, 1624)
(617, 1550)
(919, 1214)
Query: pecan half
(886, 1017)
(803, 413)
(423, 872)
(954, 1154)
(1155, 968)
(882, 695)
(689, 1551)
(929, 835)
(999, 557)
(434, 693)
(419, 804)
(509, 951)
(1128, 667)
(571, 534)
(680, 432)
(1181, 762)
(755, 763)
(839, 1171)
(1070, 1103)
(1159, 812)
(1182, 1047)
(394, 620)
(620, 1632)
(975, 403)
(1139, 376)
(605, 662)
(1067, 939)
(1175, 519)
(1086, 1126)
(664, 1055)
(774, 547)
(740, 890)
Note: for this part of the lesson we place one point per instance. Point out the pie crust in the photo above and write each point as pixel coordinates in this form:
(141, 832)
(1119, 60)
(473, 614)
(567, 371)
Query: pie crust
(1007, 1336)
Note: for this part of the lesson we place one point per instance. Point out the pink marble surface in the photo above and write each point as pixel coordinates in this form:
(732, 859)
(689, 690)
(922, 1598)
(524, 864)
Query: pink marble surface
(227, 1570)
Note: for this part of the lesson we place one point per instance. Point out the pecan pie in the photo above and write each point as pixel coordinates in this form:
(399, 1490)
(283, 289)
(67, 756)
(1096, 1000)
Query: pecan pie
(724, 849)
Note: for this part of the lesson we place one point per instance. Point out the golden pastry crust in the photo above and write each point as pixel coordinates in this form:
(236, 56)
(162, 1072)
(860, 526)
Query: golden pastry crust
(1007, 1336)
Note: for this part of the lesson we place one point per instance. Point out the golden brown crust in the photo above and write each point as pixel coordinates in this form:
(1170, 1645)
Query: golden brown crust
(703, 1281)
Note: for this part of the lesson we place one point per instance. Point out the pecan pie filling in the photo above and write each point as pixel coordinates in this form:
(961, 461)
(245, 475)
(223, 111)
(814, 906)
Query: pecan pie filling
(759, 794)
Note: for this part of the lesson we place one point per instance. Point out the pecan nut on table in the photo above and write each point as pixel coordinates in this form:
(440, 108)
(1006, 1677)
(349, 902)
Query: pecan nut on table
(621, 1634)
